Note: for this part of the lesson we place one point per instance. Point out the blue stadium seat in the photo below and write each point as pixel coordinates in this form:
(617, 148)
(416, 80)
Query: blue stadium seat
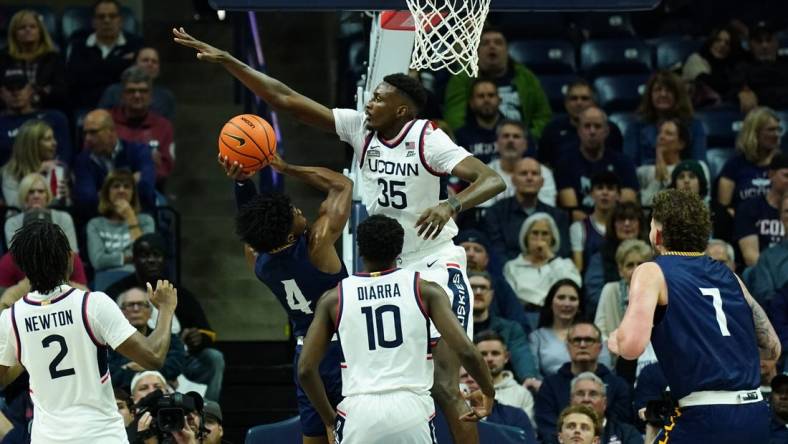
(46, 13)
(623, 120)
(620, 93)
(540, 25)
(673, 51)
(555, 89)
(716, 158)
(615, 57)
(604, 25)
(544, 56)
(285, 431)
(79, 18)
(721, 127)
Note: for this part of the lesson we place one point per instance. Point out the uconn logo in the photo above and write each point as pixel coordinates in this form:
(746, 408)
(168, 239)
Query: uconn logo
(393, 168)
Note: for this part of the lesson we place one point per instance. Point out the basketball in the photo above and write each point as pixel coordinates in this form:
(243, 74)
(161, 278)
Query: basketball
(249, 140)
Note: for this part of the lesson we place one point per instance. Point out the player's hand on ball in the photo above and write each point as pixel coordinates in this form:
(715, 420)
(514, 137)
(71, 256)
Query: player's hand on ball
(165, 295)
(481, 406)
(205, 51)
(233, 170)
(277, 163)
(432, 220)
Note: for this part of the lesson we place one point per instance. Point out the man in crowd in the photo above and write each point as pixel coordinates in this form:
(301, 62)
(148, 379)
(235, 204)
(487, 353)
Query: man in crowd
(162, 101)
(478, 134)
(722, 251)
(588, 389)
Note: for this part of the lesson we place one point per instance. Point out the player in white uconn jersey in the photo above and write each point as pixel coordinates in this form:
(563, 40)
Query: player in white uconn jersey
(61, 336)
(382, 319)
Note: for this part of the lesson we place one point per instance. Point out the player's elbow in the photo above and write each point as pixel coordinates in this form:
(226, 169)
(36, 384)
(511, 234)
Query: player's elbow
(497, 183)
(629, 347)
(305, 370)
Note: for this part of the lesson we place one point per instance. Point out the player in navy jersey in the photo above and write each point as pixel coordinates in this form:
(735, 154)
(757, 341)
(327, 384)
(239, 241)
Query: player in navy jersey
(297, 261)
(705, 327)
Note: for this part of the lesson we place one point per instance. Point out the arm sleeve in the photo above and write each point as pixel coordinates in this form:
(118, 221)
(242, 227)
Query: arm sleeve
(7, 340)
(107, 321)
(440, 153)
(577, 236)
(351, 128)
(98, 254)
(548, 194)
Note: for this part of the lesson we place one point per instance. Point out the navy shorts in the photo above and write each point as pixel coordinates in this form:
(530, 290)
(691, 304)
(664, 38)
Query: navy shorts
(719, 424)
(311, 423)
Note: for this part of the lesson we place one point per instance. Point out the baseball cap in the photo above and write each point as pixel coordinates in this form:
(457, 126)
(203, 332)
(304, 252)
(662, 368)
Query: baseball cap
(14, 79)
(212, 410)
(778, 381)
(474, 236)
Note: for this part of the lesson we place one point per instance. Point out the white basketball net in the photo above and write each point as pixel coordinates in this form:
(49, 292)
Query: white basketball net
(448, 34)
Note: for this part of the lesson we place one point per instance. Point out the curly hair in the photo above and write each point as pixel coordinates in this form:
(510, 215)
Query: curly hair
(265, 221)
(685, 219)
(41, 250)
(682, 106)
(380, 239)
(546, 316)
(410, 88)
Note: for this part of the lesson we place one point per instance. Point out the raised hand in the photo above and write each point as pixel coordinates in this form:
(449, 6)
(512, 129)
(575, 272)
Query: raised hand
(233, 170)
(205, 51)
(165, 295)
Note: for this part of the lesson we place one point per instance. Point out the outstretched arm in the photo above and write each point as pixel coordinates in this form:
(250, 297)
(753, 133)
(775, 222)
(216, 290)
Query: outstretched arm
(631, 337)
(274, 92)
(768, 341)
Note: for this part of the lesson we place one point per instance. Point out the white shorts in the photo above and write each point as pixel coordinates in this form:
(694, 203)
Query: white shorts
(390, 418)
(446, 266)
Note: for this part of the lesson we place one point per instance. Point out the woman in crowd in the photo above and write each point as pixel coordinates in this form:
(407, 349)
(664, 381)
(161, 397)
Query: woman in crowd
(708, 71)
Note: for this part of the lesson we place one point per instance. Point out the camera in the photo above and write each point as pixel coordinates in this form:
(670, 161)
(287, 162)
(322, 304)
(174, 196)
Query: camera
(167, 412)
(659, 411)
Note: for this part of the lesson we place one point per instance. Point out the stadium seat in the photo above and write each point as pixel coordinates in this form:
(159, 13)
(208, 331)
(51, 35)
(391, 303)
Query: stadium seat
(544, 56)
(623, 120)
(79, 18)
(615, 57)
(602, 25)
(555, 88)
(673, 51)
(620, 93)
(716, 158)
(288, 430)
(542, 25)
(721, 127)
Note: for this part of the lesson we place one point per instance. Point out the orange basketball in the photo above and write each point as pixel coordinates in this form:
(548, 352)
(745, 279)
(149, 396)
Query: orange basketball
(249, 140)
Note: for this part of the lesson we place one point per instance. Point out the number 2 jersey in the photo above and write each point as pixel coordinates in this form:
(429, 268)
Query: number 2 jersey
(62, 339)
(401, 178)
(384, 332)
(704, 337)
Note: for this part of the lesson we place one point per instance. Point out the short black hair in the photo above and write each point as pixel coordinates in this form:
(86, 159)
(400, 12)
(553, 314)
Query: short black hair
(605, 177)
(488, 335)
(409, 87)
(380, 239)
(41, 250)
(481, 80)
(265, 221)
(101, 2)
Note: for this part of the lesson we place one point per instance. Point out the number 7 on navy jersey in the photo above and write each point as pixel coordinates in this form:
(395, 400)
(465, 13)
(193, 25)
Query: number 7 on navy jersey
(716, 300)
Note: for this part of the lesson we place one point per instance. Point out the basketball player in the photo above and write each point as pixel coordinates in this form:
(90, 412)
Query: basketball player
(387, 372)
(707, 330)
(297, 261)
(402, 159)
(61, 335)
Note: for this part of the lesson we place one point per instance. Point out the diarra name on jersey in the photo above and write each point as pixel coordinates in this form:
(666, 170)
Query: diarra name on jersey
(49, 320)
(374, 292)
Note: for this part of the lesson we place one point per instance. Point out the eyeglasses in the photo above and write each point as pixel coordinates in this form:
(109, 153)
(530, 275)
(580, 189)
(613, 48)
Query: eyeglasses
(130, 305)
(481, 288)
(579, 340)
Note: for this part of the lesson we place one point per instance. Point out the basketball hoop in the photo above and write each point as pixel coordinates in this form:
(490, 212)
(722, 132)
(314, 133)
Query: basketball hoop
(447, 34)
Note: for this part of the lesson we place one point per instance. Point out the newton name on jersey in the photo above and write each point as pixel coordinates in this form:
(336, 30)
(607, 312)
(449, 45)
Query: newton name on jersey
(48, 320)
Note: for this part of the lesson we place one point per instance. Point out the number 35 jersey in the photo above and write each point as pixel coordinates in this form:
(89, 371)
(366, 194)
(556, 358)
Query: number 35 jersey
(384, 332)
(62, 340)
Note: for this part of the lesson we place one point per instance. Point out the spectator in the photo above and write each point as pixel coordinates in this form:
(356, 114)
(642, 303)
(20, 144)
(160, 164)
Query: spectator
(145, 383)
(95, 61)
(31, 50)
(110, 235)
(34, 194)
(709, 71)
(136, 122)
(579, 424)
(690, 175)
(576, 168)
(204, 363)
(563, 308)
(537, 268)
(512, 146)
(105, 152)
(762, 79)
(588, 235)
(560, 135)
(651, 386)
(745, 175)
(125, 406)
(587, 389)
(665, 98)
(719, 250)
(779, 407)
(770, 273)
(522, 97)
(17, 95)
(478, 135)
(585, 344)
(507, 391)
(672, 141)
(778, 312)
(136, 306)
(162, 101)
(757, 225)
(213, 422)
(512, 335)
(34, 152)
(615, 295)
(503, 220)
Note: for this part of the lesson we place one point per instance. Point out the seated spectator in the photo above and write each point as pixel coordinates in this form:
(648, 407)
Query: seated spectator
(96, 60)
(34, 153)
(779, 407)
(508, 391)
(30, 49)
(478, 135)
(615, 295)
(690, 175)
(105, 152)
(17, 95)
(757, 225)
(136, 122)
(213, 423)
(588, 235)
(537, 268)
(162, 99)
(34, 194)
(560, 135)
(745, 175)
(708, 71)
(563, 308)
(585, 344)
(512, 335)
(672, 141)
(504, 219)
(589, 390)
(204, 363)
(719, 250)
(125, 406)
(575, 169)
(522, 97)
(770, 273)
(626, 223)
(136, 306)
(777, 308)
(110, 235)
(665, 98)
(579, 424)
(762, 78)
